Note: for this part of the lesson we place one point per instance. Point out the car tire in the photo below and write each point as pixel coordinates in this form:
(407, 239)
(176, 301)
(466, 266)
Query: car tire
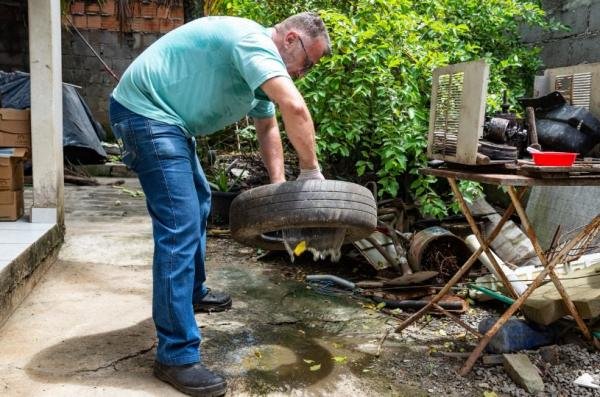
(257, 215)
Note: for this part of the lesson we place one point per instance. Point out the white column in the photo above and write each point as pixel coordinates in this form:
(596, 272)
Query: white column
(46, 110)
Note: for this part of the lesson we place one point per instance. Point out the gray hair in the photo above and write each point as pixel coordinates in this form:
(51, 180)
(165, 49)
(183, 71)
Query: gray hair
(311, 24)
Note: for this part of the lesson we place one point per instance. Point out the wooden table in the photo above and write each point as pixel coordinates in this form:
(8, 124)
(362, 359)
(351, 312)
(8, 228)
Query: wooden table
(516, 185)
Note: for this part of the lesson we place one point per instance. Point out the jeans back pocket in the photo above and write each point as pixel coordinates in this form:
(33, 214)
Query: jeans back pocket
(126, 141)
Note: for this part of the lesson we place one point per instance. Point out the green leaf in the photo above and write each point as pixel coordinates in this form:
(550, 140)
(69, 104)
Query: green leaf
(315, 367)
(340, 359)
(308, 361)
(370, 98)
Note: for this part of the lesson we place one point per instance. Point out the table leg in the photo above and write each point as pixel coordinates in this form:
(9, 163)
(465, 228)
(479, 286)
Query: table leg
(459, 274)
(519, 302)
(457, 320)
(482, 242)
(529, 230)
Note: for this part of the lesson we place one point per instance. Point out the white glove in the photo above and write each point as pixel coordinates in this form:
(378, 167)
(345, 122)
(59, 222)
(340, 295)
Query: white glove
(310, 174)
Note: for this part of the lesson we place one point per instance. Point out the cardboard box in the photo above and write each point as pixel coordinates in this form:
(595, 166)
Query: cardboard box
(11, 168)
(11, 205)
(15, 128)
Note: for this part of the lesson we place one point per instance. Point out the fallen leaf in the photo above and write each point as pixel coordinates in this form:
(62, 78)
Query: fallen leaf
(315, 367)
(489, 394)
(340, 359)
(308, 361)
(380, 305)
(300, 248)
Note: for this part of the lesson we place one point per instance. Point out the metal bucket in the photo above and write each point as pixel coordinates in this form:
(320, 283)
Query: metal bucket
(437, 249)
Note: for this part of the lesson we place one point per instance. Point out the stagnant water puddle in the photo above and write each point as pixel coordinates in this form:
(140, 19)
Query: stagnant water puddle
(287, 357)
(290, 339)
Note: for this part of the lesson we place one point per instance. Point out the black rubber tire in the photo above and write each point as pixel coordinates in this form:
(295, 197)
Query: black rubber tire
(301, 204)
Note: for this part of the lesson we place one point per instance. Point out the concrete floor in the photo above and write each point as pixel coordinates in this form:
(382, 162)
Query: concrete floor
(86, 329)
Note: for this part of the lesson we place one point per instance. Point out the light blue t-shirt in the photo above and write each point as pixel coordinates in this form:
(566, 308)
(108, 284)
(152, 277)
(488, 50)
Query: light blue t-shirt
(204, 75)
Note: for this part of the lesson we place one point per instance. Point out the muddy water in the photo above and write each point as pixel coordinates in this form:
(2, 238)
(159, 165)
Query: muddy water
(284, 357)
(295, 339)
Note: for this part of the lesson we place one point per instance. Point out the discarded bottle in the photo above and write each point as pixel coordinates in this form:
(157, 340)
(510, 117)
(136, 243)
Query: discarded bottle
(516, 335)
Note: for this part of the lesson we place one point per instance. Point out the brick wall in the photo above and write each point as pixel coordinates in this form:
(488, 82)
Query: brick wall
(100, 26)
(82, 68)
(579, 45)
(146, 16)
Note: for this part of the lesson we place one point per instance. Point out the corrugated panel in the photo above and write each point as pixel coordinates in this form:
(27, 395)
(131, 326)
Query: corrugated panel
(575, 88)
(447, 113)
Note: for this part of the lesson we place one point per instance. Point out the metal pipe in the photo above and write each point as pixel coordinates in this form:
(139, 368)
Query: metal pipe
(332, 278)
(393, 263)
(533, 137)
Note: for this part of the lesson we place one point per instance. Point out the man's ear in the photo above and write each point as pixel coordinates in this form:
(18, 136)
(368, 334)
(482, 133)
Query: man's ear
(290, 37)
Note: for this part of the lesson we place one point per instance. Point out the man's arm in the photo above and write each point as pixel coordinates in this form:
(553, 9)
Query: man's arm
(271, 150)
(296, 118)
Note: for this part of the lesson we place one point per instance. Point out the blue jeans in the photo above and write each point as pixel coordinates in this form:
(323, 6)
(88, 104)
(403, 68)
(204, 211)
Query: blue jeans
(178, 200)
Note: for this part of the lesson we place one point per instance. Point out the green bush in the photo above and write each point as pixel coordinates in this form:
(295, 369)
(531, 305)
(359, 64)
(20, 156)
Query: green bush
(370, 99)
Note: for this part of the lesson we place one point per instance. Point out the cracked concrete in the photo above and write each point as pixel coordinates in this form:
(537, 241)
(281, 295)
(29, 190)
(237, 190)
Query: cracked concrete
(86, 329)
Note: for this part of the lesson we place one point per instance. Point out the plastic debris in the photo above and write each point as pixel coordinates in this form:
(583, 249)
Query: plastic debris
(587, 380)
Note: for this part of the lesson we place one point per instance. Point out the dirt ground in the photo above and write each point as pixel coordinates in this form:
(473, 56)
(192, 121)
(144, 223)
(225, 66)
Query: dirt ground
(86, 329)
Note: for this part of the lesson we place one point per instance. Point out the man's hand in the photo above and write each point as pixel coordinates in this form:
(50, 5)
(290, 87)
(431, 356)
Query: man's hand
(310, 174)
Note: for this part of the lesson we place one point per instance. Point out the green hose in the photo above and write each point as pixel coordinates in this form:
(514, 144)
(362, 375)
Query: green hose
(493, 294)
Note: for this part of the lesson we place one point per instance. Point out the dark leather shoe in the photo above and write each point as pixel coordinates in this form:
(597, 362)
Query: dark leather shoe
(213, 301)
(192, 379)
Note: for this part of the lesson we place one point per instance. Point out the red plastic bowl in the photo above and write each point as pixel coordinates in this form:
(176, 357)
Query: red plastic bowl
(557, 159)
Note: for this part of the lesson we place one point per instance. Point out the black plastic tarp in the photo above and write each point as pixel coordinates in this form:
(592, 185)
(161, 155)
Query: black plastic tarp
(82, 134)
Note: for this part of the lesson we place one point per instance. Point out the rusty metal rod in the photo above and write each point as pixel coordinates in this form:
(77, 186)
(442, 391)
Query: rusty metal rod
(457, 320)
(485, 244)
(519, 302)
(553, 243)
(385, 254)
(461, 272)
(540, 252)
(108, 69)
(400, 251)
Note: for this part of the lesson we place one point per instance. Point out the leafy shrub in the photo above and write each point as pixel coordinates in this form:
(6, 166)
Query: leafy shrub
(370, 99)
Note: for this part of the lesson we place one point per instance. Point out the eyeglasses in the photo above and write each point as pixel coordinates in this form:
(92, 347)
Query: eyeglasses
(308, 63)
